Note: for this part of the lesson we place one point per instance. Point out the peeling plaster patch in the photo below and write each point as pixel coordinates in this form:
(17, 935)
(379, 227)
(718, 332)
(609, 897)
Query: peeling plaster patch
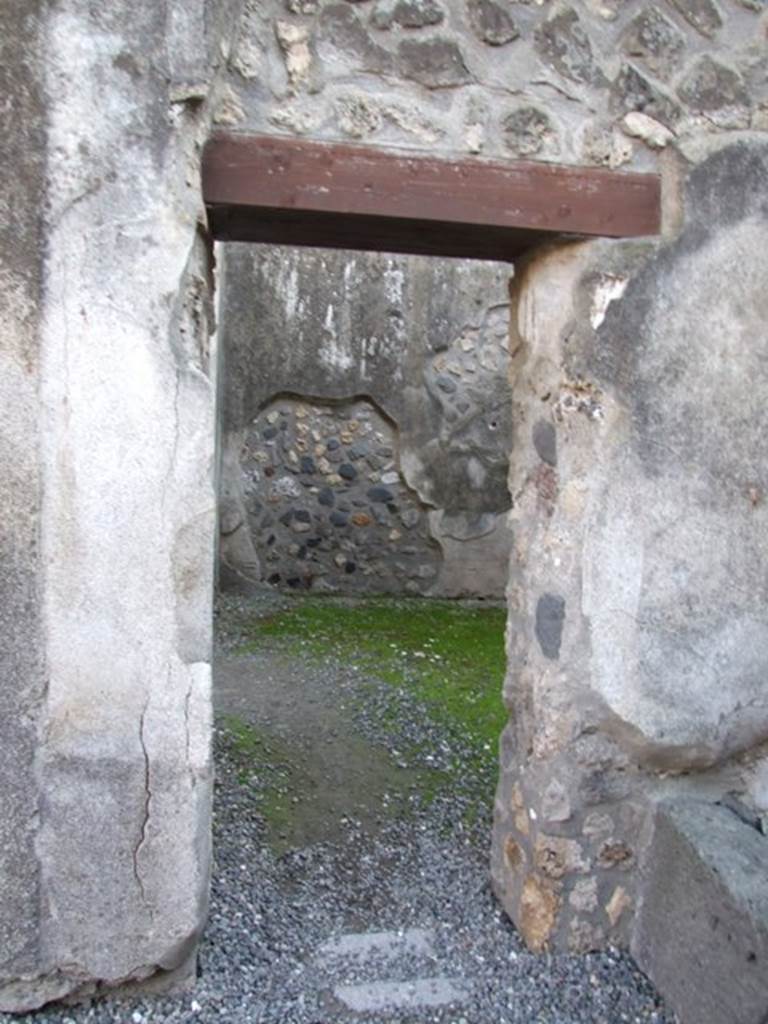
(608, 290)
(394, 280)
(333, 352)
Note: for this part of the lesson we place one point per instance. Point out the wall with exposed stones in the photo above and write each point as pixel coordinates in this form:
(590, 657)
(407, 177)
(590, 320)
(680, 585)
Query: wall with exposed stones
(637, 635)
(600, 82)
(387, 470)
(634, 659)
(635, 475)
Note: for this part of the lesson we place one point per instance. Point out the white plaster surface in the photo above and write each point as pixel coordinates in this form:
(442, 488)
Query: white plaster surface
(127, 524)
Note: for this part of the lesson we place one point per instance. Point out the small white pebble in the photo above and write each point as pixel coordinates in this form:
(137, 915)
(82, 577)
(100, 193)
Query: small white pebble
(195, 1007)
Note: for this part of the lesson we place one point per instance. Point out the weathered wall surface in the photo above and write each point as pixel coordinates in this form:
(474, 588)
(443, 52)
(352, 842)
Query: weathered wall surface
(22, 663)
(637, 634)
(637, 638)
(327, 508)
(594, 82)
(426, 342)
(108, 500)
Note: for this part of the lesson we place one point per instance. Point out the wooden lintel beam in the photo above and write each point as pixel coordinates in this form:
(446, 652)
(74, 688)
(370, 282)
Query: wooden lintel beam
(279, 190)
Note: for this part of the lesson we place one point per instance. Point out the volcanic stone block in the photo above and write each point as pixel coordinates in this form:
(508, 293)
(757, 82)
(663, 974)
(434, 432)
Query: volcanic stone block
(713, 88)
(435, 63)
(704, 15)
(416, 13)
(702, 928)
(652, 38)
(562, 42)
(492, 23)
(341, 29)
(632, 90)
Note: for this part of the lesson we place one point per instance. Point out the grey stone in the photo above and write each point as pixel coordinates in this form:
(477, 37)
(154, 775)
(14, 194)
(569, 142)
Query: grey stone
(420, 994)
(380, 494)
(416, 942)
(446, 384)
(652, 38)
(326, 497)
(545, 441)
(714, 89)
(338, 518)
(704, 15)
(526, 130)
(347, 471)
(307, 464)
(230, 516)
(550, 618)
(416, 13)
(436, 63)
(704, 879)
(491, 22)
(562, 42)
(632, 90)
(341, 29)
(359, 450)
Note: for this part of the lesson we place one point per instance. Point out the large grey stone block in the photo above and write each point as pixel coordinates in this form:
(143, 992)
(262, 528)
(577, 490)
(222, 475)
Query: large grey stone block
(701, 931)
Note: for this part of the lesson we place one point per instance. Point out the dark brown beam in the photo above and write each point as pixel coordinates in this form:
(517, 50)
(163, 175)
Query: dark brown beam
(277, 190)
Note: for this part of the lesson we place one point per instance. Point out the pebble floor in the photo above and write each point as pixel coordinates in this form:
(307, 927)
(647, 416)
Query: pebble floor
(386, 919)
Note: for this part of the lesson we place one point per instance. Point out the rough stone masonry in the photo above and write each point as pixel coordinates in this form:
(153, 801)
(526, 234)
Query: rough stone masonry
(637, 635)
(365, 409)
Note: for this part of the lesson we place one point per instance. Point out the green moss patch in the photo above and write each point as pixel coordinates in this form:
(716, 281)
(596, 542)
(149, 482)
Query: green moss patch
(449, 655)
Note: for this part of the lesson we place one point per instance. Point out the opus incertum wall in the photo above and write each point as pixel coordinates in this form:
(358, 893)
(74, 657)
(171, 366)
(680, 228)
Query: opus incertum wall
(402, 489)
(637, 638)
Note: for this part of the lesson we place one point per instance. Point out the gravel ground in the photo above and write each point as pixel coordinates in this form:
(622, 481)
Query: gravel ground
(407, 863)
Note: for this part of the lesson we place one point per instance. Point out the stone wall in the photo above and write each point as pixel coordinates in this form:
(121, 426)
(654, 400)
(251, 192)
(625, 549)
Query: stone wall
(408, 493)
(602, 82)
(636, 477)
(107, 452)
(328, 509)
(637, 636)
